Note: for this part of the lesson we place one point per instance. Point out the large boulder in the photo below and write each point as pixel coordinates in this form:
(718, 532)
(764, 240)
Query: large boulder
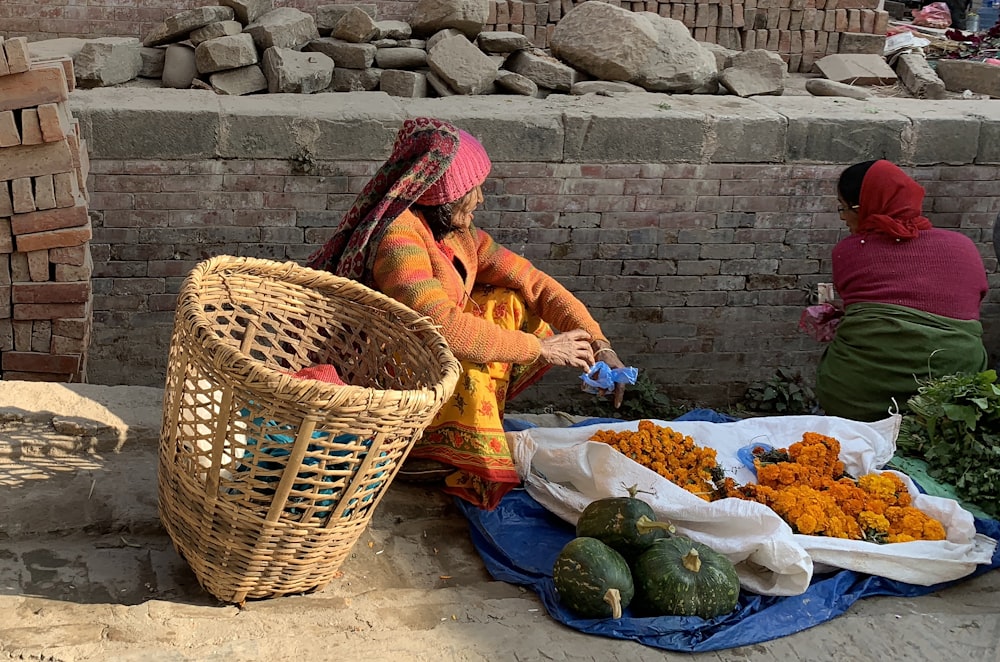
(467, 16)
(606, 41)
(679, 63)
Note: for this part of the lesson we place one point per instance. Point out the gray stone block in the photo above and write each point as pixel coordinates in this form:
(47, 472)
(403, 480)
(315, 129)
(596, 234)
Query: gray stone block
(284, 27)
(918, 77)
(224, 53)
(133, 123)
(358, 126)
(466, 68)
(247, 11)
(152, 62)
(107, 61)
(846, 132)
(179, 66)
(546, 71)
(739, 130)
(213, 30)
(961, 75)
(289, 71)
(939, 132)
(344, 53)
(401, 58)
(236, 82)
(634, 128)
(520, 129)
(355, 26)
(327, 16)
(399, 83)
(179, 26)
(355, 80)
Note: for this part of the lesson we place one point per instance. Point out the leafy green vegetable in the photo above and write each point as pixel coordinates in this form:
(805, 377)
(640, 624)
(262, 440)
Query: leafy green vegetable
(953, 424)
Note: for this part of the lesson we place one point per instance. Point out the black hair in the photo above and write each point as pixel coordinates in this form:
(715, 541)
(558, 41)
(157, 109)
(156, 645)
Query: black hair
(438, 217)
(849, 185)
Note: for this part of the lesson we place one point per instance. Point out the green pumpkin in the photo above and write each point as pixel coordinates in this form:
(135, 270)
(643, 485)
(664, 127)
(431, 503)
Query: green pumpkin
(592, 579)
(680, 577)
(626, 524)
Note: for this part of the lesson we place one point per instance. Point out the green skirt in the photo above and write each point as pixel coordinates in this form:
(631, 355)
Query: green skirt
(881, 351)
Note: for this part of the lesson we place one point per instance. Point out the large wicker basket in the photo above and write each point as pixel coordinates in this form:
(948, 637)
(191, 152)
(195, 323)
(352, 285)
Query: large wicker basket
(266, 480)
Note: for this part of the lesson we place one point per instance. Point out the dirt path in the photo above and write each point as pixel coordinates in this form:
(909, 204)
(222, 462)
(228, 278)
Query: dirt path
(413, 589)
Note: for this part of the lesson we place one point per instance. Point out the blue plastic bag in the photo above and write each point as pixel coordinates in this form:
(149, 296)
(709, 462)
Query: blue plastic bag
(602, 378)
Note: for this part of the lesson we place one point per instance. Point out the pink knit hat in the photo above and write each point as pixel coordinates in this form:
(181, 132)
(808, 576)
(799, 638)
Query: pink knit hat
(468, 170)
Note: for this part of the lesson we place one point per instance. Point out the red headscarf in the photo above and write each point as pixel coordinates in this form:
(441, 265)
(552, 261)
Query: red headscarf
(891, 203)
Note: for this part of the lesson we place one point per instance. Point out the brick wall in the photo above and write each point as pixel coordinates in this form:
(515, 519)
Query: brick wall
(691, 226)
(696, 272)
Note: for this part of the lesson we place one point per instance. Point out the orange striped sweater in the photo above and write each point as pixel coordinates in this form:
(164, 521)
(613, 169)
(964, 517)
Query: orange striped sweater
(415, 270)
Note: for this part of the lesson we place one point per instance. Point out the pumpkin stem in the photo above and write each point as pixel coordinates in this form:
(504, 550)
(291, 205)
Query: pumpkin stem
(692, 561)
(614, 598)
(645, 525)
(632, 491)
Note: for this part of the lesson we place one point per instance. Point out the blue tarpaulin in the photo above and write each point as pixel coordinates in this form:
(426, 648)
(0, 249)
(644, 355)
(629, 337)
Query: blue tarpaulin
(520, 540)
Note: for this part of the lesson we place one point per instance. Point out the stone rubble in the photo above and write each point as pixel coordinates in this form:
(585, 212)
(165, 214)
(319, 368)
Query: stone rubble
(448, 47)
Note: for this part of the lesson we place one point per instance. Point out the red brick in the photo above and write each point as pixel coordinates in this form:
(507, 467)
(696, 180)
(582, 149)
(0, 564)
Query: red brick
(4, 67)
(38, 265)
(9, 135)
(50, 292)
(22, 196)
(64, 345)
(53, 122)
(64, 62)
(32, 88)
(75, 255)
(72, 328)
(51, 219)
(45, 194)
(67, 189)
(18, 58)
(38, 362)
(53, 239)
(49, 311)
(34, 160)
(25, 376)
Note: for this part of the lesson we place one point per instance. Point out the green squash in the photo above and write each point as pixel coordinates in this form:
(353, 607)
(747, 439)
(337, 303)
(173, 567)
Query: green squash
(680, 577)
(626, 524)
(592, 579)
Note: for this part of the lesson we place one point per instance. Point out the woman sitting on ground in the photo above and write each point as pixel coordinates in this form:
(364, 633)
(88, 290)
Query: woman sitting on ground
(911, 296)
(410, 235)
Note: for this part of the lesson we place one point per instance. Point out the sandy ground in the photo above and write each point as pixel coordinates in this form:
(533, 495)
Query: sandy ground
(86, 573)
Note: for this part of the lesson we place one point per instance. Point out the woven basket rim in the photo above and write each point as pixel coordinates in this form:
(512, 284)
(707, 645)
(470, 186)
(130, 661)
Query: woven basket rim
(259, 372)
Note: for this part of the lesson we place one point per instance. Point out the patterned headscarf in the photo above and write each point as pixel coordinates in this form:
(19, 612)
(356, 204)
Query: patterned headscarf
(891, 203)
(423, 151)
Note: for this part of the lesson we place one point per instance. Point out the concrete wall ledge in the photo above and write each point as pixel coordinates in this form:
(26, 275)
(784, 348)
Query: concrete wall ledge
(132, 123)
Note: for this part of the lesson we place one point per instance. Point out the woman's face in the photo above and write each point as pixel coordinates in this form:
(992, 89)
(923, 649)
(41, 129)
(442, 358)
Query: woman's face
(463, 215)
(848, 214)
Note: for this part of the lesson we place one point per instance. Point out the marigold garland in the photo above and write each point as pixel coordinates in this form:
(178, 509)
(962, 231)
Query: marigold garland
(804, 484)
(674, 456)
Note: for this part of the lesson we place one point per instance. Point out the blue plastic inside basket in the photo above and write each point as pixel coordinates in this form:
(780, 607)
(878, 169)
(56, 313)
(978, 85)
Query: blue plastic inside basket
(257, 454)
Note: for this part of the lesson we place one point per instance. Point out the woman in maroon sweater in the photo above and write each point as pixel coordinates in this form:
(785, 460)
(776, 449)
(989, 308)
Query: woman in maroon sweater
(911, 296)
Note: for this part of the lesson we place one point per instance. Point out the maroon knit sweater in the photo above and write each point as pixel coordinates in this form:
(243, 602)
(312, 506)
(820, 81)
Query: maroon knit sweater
(939, 272)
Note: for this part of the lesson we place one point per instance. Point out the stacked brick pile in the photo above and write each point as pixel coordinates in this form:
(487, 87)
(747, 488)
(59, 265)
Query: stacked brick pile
(45, 265)
(801, 31)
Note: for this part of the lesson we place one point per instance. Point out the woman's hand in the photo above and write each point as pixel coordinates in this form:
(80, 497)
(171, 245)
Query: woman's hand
(571, 348)
(603, 352)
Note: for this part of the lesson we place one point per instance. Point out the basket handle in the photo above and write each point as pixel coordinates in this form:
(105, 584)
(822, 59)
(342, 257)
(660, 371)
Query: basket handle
(290, 474)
